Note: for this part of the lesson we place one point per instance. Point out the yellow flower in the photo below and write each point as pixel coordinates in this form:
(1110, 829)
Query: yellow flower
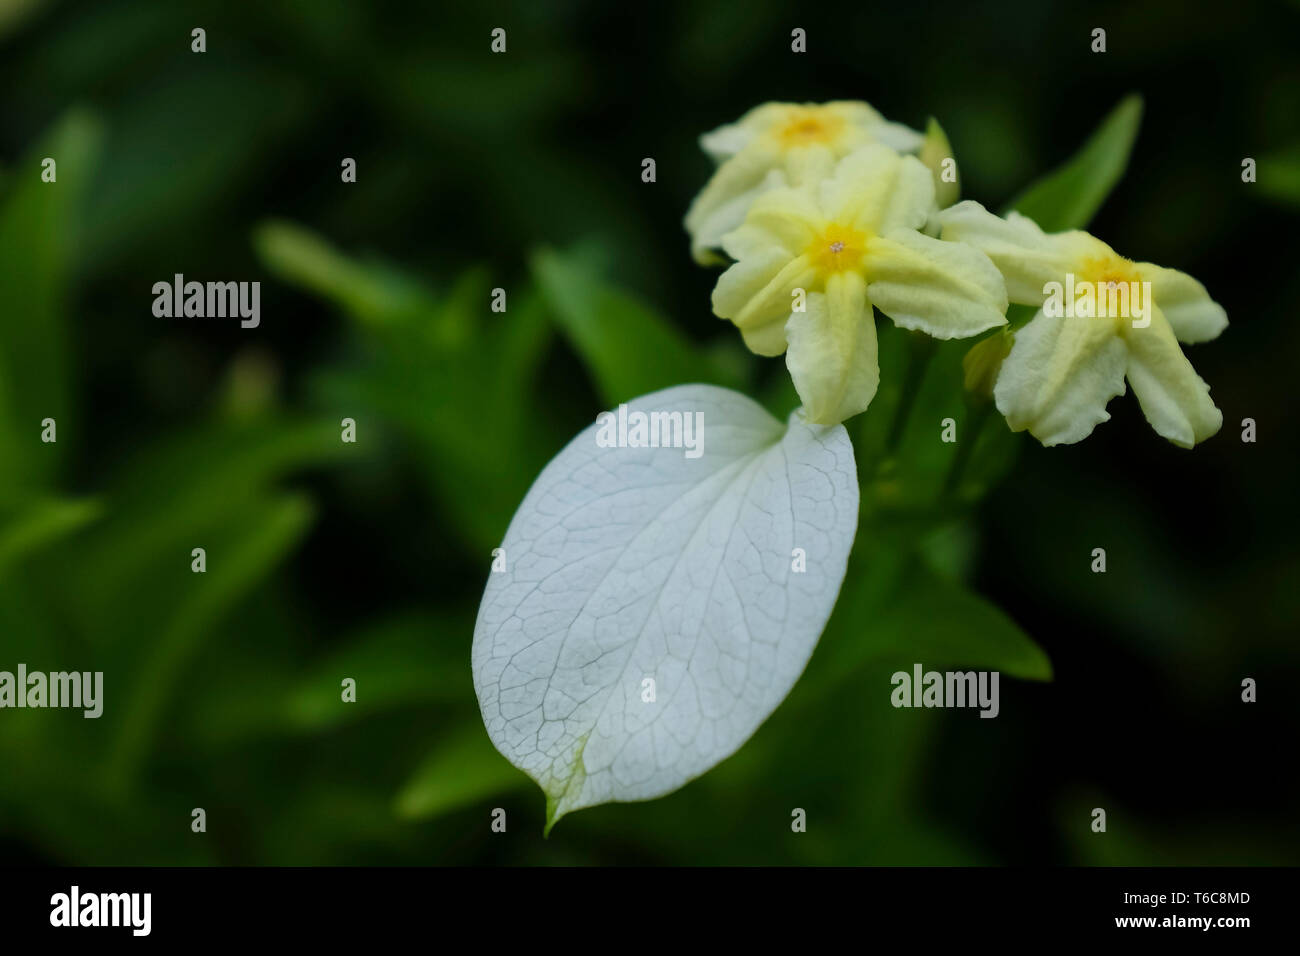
(779, 144)
(812, 261)
(1074, 355)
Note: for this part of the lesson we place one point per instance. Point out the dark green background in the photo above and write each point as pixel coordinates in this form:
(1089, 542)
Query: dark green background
(368, 561)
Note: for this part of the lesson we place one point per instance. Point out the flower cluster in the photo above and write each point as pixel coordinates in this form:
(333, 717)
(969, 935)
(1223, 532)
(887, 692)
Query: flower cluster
(828, 212)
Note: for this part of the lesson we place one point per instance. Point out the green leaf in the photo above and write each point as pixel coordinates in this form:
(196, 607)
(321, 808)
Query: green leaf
(170, 499)
(29, 528)
(450, 376)
(38, 240)
(629, 348)
(238, 560)
(368, 292)
(1069, 196)
(464, 770)
(895, 607)
(942, 623)
(413, 659)
(908, 469)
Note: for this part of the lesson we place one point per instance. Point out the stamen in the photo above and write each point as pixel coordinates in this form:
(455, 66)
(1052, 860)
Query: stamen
(837, 246)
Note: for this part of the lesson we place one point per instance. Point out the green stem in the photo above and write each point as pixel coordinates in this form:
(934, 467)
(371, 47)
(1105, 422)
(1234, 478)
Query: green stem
(965, 449)
(921, 349)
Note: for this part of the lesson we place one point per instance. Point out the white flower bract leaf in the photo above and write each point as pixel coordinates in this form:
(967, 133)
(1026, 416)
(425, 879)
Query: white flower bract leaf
(626, 565)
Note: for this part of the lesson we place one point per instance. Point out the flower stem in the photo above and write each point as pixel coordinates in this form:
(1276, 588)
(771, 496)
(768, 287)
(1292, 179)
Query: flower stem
(920, 349)
(979, 413)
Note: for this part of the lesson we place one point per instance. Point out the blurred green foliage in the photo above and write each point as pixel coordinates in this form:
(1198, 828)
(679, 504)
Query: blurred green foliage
(1071, 196)
(329, 560)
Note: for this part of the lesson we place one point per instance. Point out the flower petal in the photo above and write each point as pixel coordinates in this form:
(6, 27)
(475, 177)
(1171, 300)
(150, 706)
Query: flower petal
(857, 112)
(754, 156)
(944, 289)
(1195, 317)
(721, 205)
(861, 115)
(897, 136)
(1175, 400)
(1027, 257)
(788, 218)
(756, 294)
(1059, 376)
(812, 164)
(832, 356)
(875, 189)
(730, 138)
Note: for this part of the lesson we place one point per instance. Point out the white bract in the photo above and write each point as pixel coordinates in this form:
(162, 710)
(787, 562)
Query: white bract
(624, 564)
(780, 144)
(1063, 369)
